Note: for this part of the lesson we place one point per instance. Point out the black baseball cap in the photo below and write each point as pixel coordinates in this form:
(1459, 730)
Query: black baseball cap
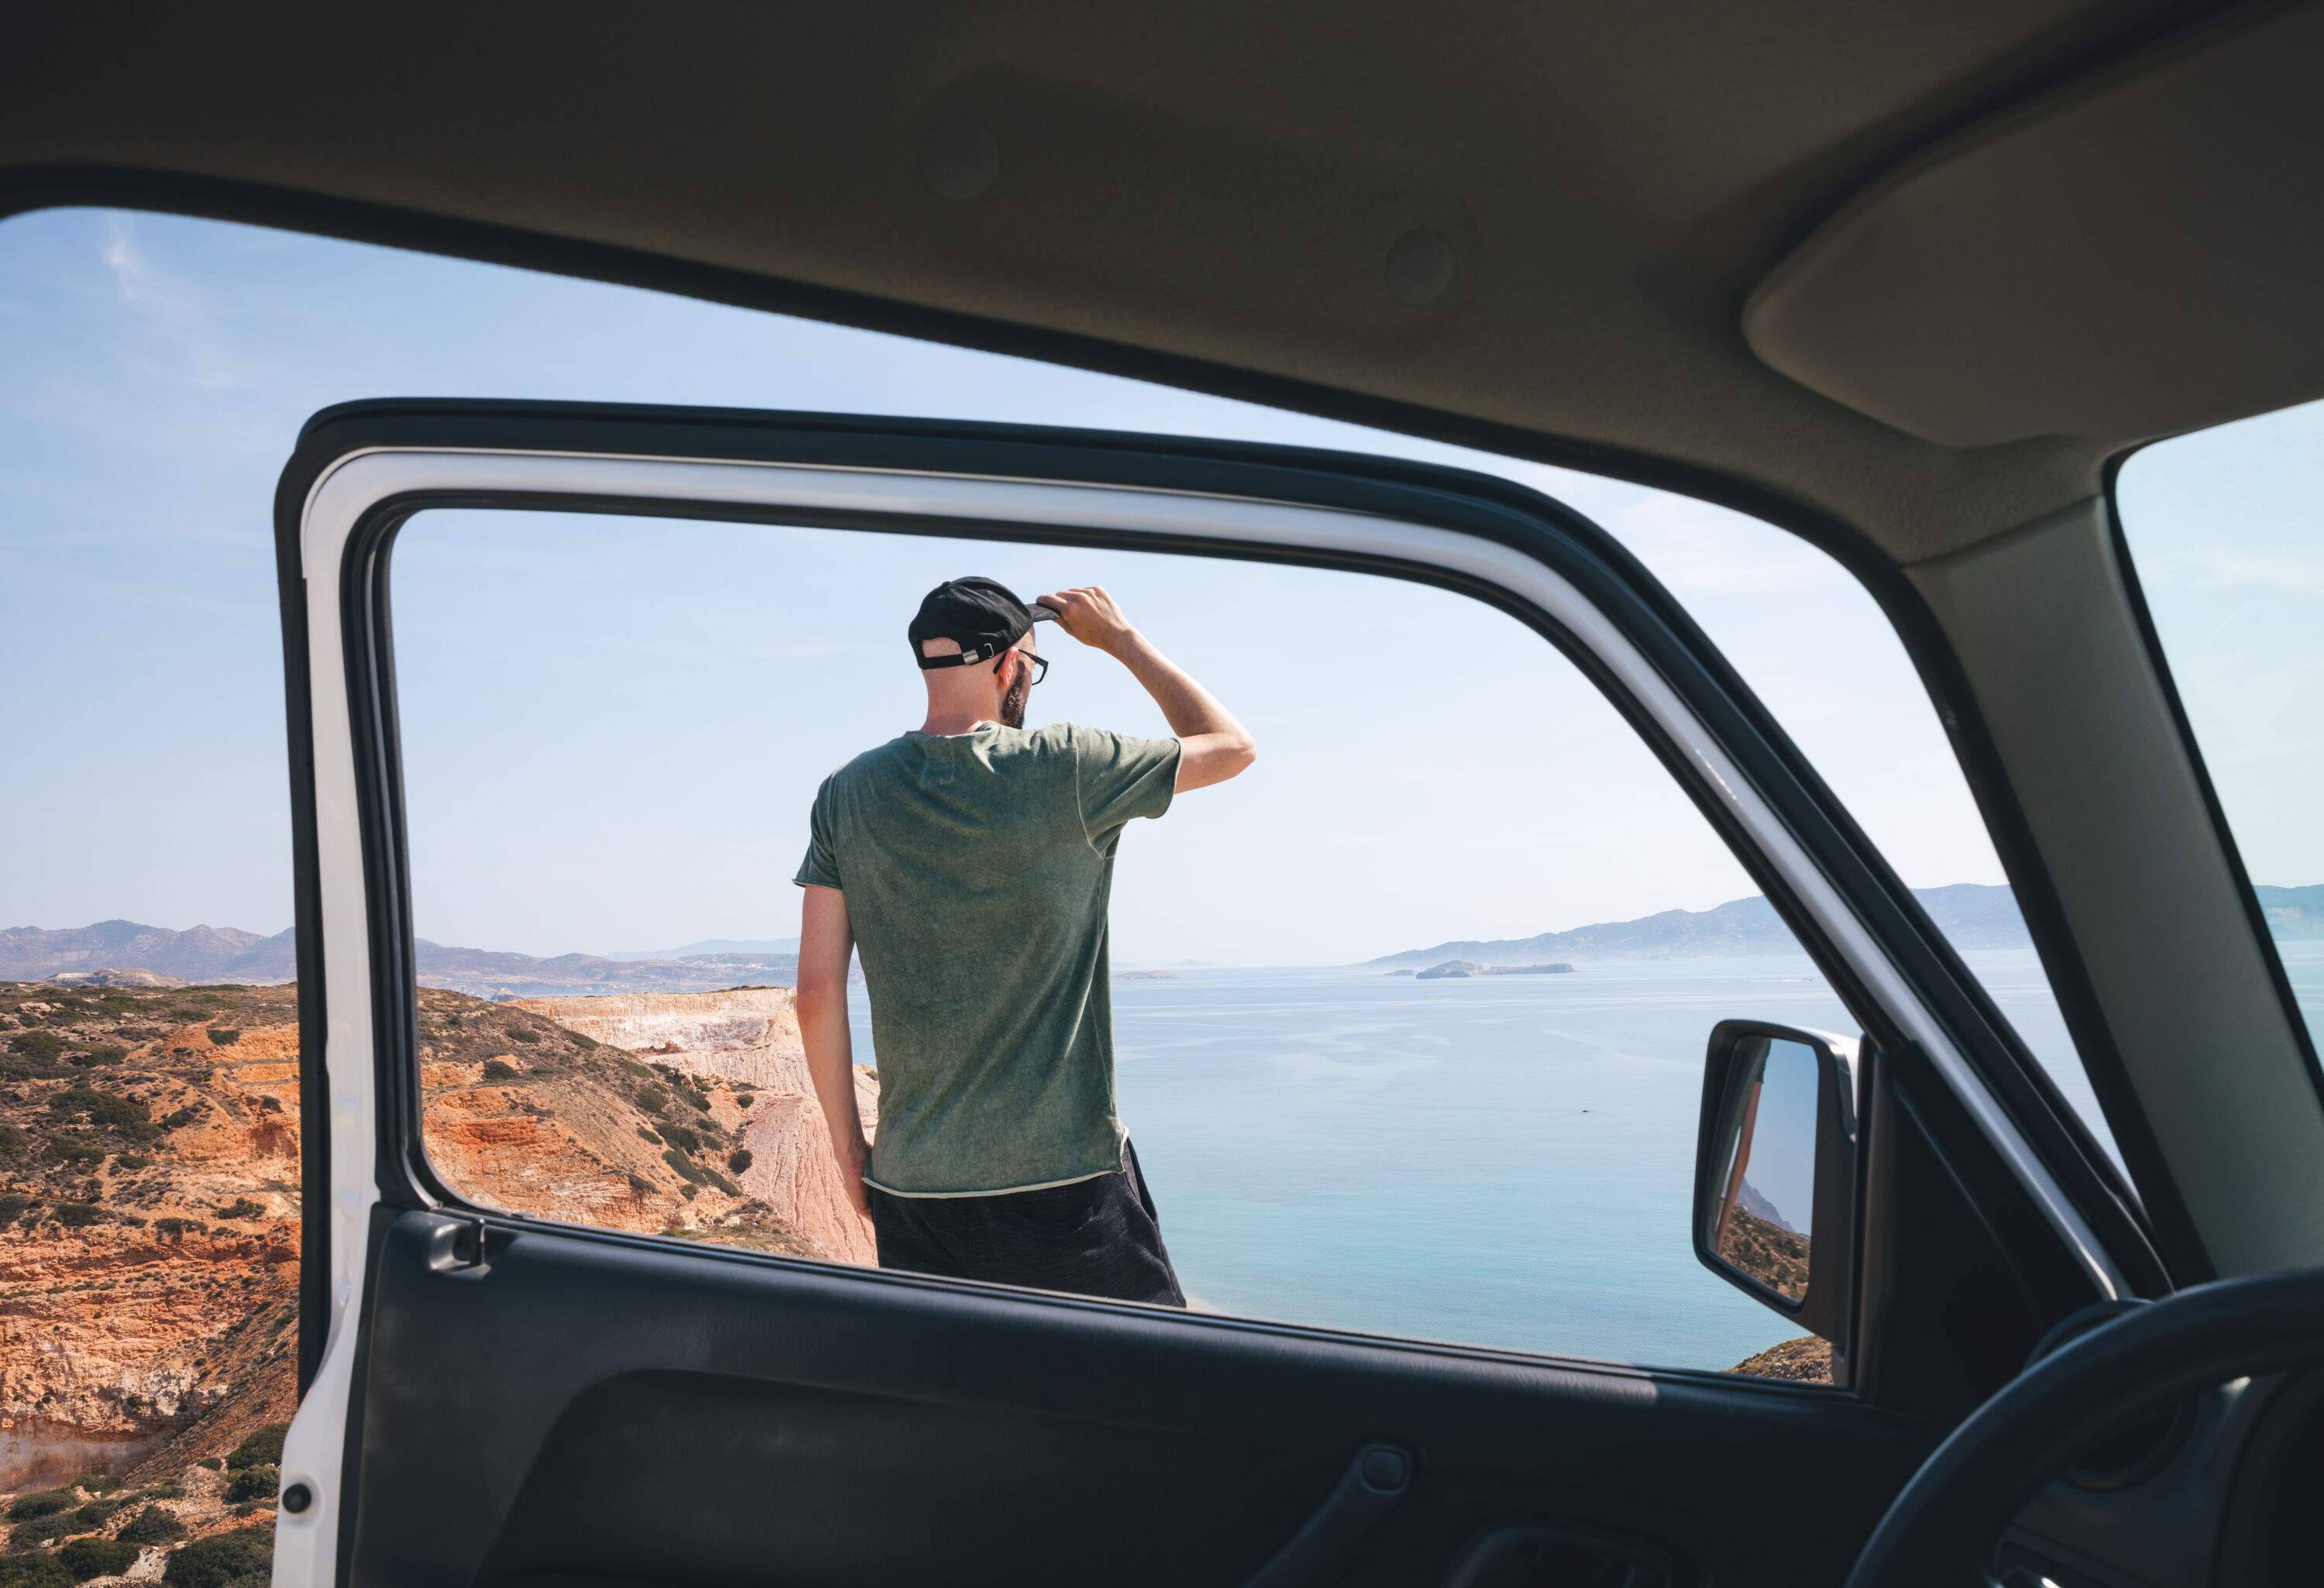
(981, 615)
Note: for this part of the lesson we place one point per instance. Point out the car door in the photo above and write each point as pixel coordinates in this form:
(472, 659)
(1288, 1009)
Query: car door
(491, 1397)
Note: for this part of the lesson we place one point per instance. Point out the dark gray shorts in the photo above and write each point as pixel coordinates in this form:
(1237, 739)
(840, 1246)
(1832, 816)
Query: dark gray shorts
(1094, 1237)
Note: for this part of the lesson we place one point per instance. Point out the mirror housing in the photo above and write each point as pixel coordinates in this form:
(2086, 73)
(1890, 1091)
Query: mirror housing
(1809, 1125)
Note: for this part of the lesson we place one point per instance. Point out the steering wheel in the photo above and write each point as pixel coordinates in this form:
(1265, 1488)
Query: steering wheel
(1941, 1529)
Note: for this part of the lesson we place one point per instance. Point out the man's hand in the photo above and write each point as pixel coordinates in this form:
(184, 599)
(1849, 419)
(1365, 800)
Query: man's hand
(1091, 615)
(1212, 745)
(851, 1175)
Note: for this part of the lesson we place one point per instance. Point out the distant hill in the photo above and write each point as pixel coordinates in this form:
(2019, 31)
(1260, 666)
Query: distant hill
(202, 953)
(1971, 916)
(224, 955)
(1751, 1202)
(714, 946)
(2295, 914)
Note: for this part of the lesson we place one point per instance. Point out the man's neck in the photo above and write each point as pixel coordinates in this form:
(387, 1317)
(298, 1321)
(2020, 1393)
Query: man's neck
(946, 721)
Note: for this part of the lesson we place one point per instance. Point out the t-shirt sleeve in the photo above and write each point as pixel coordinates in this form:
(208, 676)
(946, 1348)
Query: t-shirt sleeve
(1120, 777)
(820, 869)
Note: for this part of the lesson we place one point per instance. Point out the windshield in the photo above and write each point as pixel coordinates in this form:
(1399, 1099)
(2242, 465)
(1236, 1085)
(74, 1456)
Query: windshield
(2227, 528)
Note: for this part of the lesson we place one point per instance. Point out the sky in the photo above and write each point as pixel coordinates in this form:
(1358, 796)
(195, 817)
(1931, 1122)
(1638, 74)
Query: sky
(613, 726)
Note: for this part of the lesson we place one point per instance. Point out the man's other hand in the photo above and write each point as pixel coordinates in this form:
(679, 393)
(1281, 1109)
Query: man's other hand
(1092, 616)
(851, 1175)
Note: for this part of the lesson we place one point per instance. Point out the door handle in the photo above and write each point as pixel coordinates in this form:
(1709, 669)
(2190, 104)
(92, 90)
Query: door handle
(1375, 1483)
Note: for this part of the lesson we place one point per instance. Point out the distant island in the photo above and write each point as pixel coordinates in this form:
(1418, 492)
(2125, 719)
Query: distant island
(1144, 975)
(1452, 969)
(1971, 915)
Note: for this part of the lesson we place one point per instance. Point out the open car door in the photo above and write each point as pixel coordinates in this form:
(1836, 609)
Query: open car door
(491, 1399)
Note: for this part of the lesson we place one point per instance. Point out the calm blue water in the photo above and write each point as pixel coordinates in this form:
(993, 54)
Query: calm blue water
(1502, 1162)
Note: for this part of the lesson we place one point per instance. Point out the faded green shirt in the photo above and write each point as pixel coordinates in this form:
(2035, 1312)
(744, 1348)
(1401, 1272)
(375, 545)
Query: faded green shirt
(977, 869)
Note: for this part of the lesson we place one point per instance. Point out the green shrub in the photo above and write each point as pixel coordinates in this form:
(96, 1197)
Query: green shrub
(263, 1447)
(77, 1215)
(584, 1043)
(223, 1037)
(95, 1513)
(153, 1525)
(13, 1143)
(39, 1047)
(243, 1558)
(253, 1482)
(179, 1118)
(688, 1169)
(500, 1069)
(739, 1159)
(684, 1140)
(12, 1204)
(744, 1099)
(43, 1502)
(241, 1207)
(519, 1034)
(128, 1162)
(641, 1186)
(645, 1134)
(41, 1529)
(652, 1099)
(100, 1108)
(104, 1052)
(689, 1192)
(33, 1571)
(174, 1228)
(215, 1464)
(99, 1483)
(97, 1557)
(76, 1150)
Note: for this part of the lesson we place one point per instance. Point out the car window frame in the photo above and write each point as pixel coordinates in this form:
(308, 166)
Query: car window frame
(1607, 582)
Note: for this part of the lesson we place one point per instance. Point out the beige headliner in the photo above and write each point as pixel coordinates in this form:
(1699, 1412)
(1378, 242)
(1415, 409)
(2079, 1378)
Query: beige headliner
(1215, 180)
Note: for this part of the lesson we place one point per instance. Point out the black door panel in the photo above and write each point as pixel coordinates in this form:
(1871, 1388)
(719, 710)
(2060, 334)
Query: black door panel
(584, 1407)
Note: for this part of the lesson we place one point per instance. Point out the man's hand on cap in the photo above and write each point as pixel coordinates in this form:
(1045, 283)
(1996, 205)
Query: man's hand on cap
(1090, 615)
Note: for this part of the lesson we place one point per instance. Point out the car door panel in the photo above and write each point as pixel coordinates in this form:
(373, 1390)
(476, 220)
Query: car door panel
(581, 1405)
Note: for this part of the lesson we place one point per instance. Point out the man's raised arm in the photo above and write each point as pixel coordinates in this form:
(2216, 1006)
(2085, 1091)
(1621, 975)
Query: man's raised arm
(1212, 745)
(826, 944)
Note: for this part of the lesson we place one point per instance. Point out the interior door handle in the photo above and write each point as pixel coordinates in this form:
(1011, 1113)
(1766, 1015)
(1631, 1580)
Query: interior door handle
(1376, 1482)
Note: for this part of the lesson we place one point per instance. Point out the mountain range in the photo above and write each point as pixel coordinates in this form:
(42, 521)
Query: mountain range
(224, 955)
(714, 946)
(1969, 914)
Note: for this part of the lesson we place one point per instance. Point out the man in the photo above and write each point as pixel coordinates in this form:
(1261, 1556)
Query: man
(970, 861)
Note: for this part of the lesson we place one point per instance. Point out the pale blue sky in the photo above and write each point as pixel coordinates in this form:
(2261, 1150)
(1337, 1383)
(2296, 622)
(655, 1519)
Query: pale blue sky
(159, 370)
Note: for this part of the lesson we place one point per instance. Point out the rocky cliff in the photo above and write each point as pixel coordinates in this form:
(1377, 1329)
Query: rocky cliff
(149, 1172)
(744, 1045)
(149, 1235)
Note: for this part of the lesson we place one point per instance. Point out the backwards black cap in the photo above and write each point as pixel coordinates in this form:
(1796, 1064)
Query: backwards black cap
(980, 615)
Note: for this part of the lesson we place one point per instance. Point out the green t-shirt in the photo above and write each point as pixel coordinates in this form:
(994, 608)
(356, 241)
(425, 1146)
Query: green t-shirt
(977, 868)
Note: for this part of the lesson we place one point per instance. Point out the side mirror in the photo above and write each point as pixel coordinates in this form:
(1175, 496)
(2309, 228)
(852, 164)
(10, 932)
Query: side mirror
(1774, 1170)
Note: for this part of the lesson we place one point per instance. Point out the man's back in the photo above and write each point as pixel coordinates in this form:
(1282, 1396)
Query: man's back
(977, 869)
(970, 862)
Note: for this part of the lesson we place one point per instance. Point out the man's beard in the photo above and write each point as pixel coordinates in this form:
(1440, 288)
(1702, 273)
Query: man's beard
(1013, 705)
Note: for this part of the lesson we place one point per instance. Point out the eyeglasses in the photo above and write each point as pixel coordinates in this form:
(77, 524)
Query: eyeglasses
(1040, 663)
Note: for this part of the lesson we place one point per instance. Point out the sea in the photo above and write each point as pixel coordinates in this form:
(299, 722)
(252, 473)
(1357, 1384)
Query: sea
(1503, 1161)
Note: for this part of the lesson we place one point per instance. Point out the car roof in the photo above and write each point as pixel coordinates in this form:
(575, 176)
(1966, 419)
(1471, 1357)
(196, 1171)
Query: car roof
(1914, 273)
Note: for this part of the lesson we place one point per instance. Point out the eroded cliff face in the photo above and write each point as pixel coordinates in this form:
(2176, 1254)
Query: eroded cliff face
(149, 1185)
(744, 1045)
(149, 1235)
